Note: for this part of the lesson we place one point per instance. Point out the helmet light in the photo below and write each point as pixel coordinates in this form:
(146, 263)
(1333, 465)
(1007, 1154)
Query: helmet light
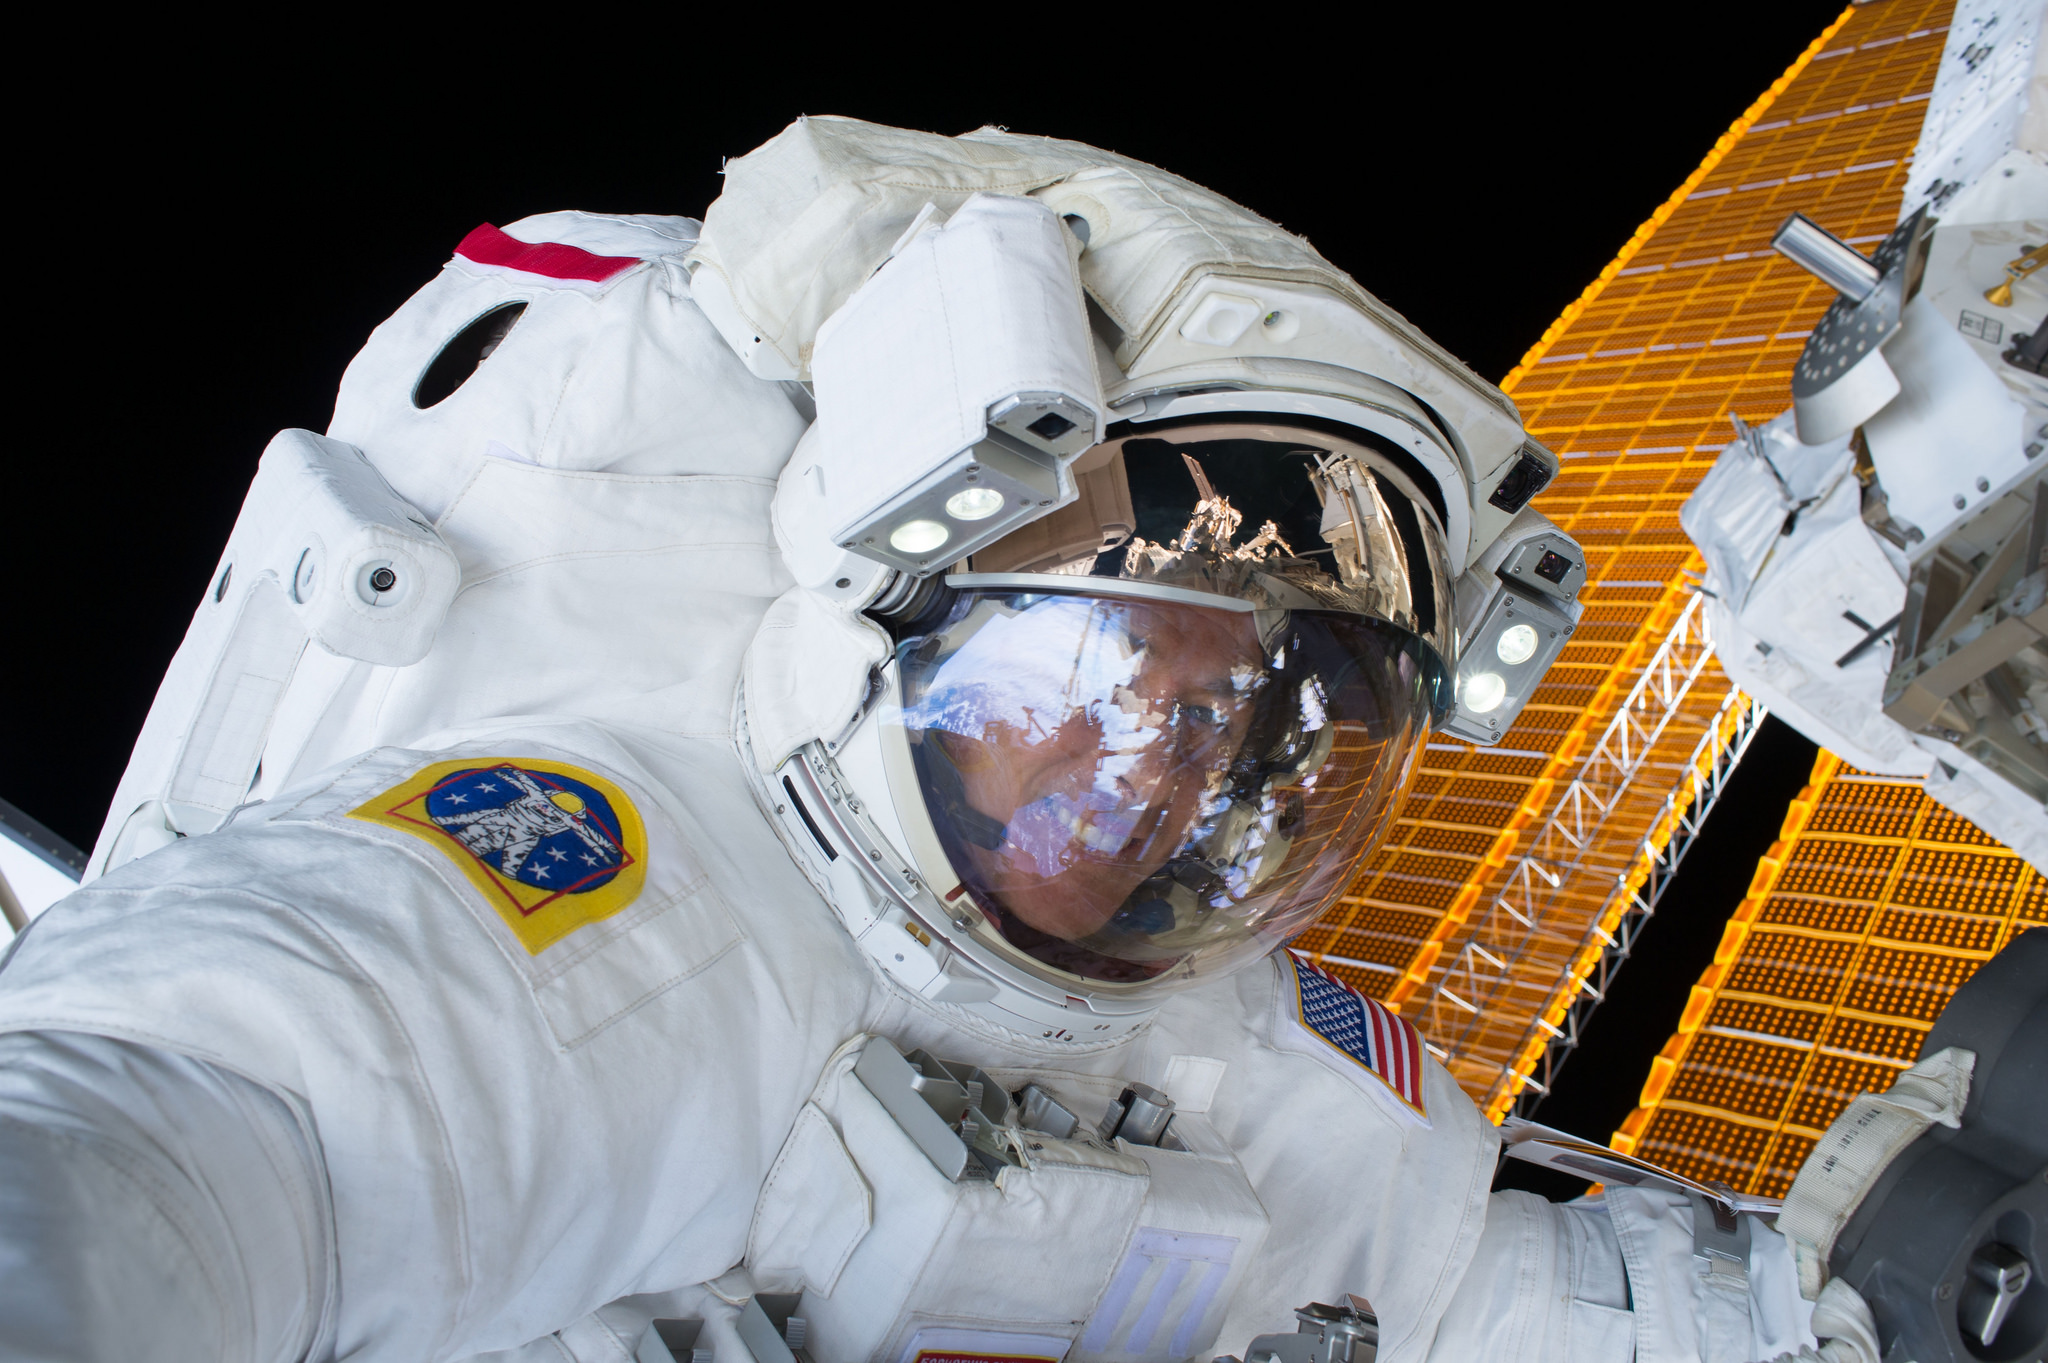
(1517, 644)
(918, 537)
(1482, 692)
(974, 504)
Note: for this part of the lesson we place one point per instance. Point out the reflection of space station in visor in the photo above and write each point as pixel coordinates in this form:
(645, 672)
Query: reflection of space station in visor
(1518, 875)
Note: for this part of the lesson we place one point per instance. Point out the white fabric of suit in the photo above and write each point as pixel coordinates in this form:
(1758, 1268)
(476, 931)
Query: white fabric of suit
(471, 1147)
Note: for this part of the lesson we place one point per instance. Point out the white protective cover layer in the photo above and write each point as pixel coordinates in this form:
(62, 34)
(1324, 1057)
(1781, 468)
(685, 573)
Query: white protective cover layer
(1962, 429)
(1981, 170)
(514, 1141)
(613, 378)
(969, 312)
(1858, 1145)
(806, 218)
(1151, 1244)
(1777, 600)
(211, 1177)
(1990, 94)
(1952, 436)
(1684, 1313)
(806, 674)
(603, 482)
(1792, 592)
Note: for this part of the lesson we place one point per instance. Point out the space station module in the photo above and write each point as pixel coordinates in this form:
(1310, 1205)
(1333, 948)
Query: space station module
(747, 797)
(1877, 556)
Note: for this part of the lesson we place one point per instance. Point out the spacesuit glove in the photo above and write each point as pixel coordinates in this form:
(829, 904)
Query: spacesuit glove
(1846, 1162)
(1843, 1324)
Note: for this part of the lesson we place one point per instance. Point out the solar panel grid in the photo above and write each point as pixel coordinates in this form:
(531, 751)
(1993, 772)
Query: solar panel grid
(1735, 1016)
(1632, 386)
(1815, 913)
(1714, 1148)
(1782, 1158)
(1793, 966)
(1884, 1040)
(1828, 1085)
(1873, 909)
(1739, 1074)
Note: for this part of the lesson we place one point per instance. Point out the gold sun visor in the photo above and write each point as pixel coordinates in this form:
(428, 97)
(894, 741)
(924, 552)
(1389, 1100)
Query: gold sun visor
(1277, 514)
(1137, 792)
(1156, 730)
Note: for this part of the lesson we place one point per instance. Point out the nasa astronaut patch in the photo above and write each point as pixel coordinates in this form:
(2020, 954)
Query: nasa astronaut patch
(551, 846)
(1352, 1034)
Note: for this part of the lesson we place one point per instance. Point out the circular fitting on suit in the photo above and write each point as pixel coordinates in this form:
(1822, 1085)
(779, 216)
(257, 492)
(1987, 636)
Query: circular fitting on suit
(381, 584)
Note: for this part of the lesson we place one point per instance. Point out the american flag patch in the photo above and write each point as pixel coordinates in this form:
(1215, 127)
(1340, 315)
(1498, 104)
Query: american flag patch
(1362, 1029)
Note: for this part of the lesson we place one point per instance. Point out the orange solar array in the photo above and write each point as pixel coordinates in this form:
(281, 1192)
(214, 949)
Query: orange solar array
(1633, 385)
(1861, 923)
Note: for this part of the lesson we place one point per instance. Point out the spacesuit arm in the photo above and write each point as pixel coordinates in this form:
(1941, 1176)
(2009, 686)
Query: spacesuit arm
(1546, 1282)
(153, 1206)
(1616, 1278)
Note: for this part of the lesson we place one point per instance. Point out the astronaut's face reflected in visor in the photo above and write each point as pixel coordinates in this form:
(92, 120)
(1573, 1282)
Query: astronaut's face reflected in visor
(1135, 790)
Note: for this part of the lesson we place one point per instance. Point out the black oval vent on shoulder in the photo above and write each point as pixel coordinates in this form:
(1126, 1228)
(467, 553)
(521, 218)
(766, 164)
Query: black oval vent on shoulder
(460, 357)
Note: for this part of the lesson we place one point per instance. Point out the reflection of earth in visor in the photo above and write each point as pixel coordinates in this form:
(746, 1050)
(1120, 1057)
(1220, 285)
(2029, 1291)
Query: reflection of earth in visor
(1134, 789)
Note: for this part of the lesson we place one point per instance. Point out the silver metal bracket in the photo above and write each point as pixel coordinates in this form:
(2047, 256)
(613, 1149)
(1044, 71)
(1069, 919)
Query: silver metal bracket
(1999, 1277)
(1553, 1149)
(955, 1113)
(1139, 1116)
(673, 1341)
(1720, 1236)
(1346, 1333)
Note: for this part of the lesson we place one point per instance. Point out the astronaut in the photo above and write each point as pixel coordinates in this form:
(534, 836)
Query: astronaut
(784, 759)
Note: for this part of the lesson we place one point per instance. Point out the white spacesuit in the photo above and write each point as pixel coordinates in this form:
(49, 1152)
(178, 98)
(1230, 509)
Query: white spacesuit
(734, 853)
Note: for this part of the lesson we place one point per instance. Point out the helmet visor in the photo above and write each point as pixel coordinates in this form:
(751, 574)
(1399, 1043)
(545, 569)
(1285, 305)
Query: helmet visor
(1278, 515)
(1136, 792)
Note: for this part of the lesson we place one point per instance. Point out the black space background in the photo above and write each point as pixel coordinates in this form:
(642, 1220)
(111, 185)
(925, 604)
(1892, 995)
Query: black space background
(202, 240)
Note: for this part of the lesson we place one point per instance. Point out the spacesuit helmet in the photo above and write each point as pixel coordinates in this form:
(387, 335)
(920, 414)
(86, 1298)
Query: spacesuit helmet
(1136, 548)
(1155, 732)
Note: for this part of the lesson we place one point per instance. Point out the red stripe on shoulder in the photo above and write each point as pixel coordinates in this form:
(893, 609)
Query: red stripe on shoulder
(1405, 1051)
(486, 245)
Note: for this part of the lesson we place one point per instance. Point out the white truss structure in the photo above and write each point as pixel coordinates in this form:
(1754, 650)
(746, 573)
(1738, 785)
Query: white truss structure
(1574, 851)
(1708, 774)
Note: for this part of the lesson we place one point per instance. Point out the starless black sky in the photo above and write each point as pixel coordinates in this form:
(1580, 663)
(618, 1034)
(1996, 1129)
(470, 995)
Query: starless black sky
(201, 242)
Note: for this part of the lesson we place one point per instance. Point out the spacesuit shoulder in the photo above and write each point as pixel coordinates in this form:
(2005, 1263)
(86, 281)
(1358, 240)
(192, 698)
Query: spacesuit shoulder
(1306, 1086)
(529, 852)
(1352, 1034)
(397, 946)
(565, 341)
